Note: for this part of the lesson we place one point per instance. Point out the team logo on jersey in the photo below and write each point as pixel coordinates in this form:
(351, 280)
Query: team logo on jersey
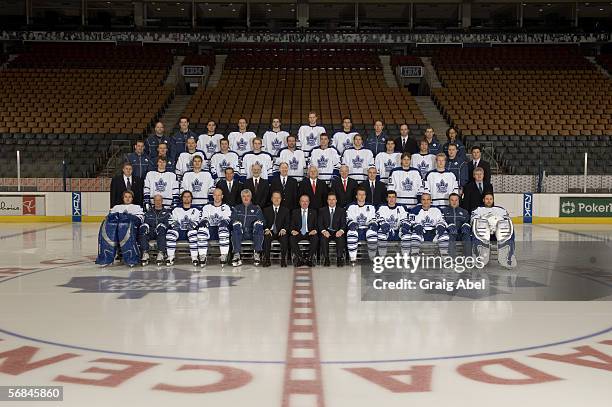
(215, 219)
(294, 164)
(224, 164)
(160, 185)
(276, 145)
(196, 185)
(427, 221)
(185, 223)
(423, 167)
(211, 147)
(311, 140)
(322, 162)
(347, 143)
(358, 162)
(442, 187)
(361, 219)
(190, 163)
(389, 165)
(241, 144)
(392, 221)
(407, 184)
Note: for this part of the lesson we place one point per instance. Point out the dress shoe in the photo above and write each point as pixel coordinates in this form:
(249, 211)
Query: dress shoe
(283, 263)
(326, 262)
(340, 263)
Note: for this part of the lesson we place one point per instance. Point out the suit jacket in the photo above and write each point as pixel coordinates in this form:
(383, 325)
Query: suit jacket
(232, 197)
(482, 164)
(318, 199)
(296, 219)
(472, 198)
(282, 218)
(262, 196)
(118, 186)
(290, 193)
(411, 146)
(379, 195)
(339, 221)
(344, 198)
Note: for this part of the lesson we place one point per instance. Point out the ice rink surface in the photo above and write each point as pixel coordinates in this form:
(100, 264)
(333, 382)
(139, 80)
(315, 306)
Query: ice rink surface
(300, 337)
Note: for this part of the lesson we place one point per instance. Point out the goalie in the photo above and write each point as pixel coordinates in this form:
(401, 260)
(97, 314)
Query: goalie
(488, 220)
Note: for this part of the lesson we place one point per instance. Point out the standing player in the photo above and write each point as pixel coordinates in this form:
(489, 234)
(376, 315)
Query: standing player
(199, 183)
(155, 226)
(183, 225)
(344, 139)
(387, 161)
(208, 142)
(427, 225)
(358, 159)
(294, 157)
(161, 182)
(393, 225)
(423, 160)
(458, 221)
(222, 160)
(440, 183)
(214, 225)
(185, 159)
(325, 158)
(257, 156)
(361, 225)
(275, 139)
(177, 142)
(240, 141)
(406, 182)
(308, 134)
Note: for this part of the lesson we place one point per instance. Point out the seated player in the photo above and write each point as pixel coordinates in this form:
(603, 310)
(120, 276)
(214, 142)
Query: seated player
(406, 182)
(440, 182)
(183, 225)
(155, 226)
(214, 225)
(161, 182)
(277, 228)
(247, 223)
(304, 227)
(490, 220)
(332, 226)
(362, 226)
(199, 182)
(427, 225)
(423, 161)
(458, 221)
(119, 229)
(393, 225)
(184, 161)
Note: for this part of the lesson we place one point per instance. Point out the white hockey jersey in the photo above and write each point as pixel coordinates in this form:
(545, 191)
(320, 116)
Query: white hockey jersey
(200, 184)
(185, 219)
(406, 183)
(296, 161)
(185, 162)
(213, 215)
(429, 218)
(362, 215)
(423, 162)
(393, 216)
(358, 162)
(309, 137)
(492, 215)
(262, 158)
(164, 183)
(130, 209)
(241, 142)
(209, 144)
(342, 140)
(327, 161)
(274, 141)
(385, 163)
(220, 161)
(440, 185)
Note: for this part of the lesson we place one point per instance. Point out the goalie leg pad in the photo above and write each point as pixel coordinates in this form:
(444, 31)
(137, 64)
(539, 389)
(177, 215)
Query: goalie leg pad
(481, 239)
(107, 243)
(126, 235)
(505, 243)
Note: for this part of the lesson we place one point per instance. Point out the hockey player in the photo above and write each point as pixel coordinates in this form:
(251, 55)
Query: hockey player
(358, 159)
(457, 166)
(185, 159)
(119, 230)
(458, 222)
(155, 226)
(275, 139)
(208, 142)
(308, 134)
(183, 225)
(247, 223)
(427, 225)
(423, 160)
(294, 157)
(162, 151)
(325, 158)
(177, 142)
(393, 225)
(257, 156)
(199, 182)
(406, 182)
(344, 139)
(214, 225)
(490, 220)
(150, 148)
(451, 135)
(240, 141)
(161, 182)
(433, 145)
(440, 183)
(361, 224)
(223, 159)
(387, 161)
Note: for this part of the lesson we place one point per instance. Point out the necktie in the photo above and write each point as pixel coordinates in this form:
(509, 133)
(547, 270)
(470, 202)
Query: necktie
(256, 184)
(304, 222)
(480, 187)
(128, 184)
(314, 187)
(331, 219)
(229, 186)
(274, 222)
(344, 182)
(284, 181)
(404, 143)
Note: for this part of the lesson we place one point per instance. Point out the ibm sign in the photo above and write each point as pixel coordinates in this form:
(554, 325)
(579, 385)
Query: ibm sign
(411, 71)
(194, 70)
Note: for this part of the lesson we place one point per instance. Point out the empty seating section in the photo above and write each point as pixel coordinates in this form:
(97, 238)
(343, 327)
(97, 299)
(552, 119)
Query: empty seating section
(405, 60)
(605, 60)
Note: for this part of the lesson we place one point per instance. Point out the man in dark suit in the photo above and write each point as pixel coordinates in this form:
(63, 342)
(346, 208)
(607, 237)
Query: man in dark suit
(304, 227)
(260, 188)
(123, 182)
(315, 188)
(477, 161)
(404, 143)
(332, 226)
(344, 187)
(475, 190)
(231, 188)
(276, 228)
(376, 191)
(288, 187)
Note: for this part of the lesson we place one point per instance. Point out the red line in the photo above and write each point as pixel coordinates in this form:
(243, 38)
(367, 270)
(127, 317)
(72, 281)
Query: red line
(312, 386)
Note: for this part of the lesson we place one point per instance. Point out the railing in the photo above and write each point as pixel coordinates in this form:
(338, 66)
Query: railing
(117, 152)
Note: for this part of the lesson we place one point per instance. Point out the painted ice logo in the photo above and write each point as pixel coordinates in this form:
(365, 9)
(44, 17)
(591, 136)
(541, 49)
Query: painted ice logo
(389, 165)
(311, 140)
(160, 185)
(276, 145)
(141, 283)
(241, 144)
(568, 207)
(357, 162)
(196, 185)
(407, 184)
(294, 164)
(322, 162)
(361, 219)
(442, 187)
